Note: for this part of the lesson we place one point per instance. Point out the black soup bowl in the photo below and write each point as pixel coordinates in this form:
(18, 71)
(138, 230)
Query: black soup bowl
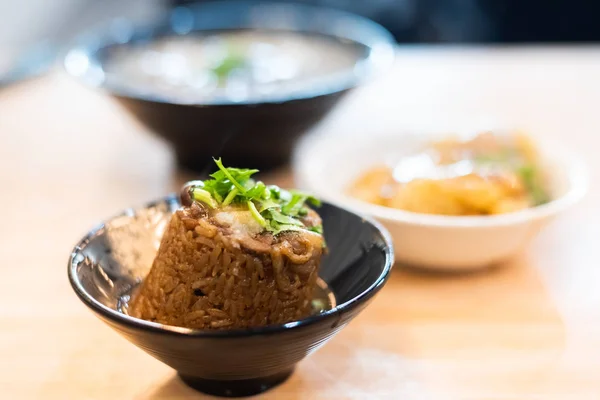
(114, 257)
(257, 127)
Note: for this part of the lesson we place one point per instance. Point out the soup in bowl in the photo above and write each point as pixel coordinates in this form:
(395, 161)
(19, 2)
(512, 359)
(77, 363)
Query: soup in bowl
(232, 66)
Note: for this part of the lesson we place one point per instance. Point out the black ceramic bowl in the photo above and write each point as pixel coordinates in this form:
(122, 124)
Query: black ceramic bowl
(114, 257)
(261, 132)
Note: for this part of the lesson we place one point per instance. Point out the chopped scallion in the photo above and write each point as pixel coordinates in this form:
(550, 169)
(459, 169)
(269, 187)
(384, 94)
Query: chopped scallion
(204, 196)
(230, 197)
(259, 218)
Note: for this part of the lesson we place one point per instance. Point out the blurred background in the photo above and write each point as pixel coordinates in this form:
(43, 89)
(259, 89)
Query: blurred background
(33, 32)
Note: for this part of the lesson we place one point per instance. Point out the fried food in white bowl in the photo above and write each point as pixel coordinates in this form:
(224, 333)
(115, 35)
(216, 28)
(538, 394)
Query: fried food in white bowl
(451, 202)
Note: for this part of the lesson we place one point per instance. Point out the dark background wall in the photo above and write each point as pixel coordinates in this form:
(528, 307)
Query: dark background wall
(476, 21)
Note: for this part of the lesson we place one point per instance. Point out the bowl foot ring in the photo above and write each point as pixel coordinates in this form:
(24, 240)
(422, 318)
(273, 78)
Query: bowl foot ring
(235, 388)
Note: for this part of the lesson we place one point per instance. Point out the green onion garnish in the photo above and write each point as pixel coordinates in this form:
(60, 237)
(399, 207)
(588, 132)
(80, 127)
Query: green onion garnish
(259, 218)
(230, 197)
(275, 209)
(531, 177)
(204, 196)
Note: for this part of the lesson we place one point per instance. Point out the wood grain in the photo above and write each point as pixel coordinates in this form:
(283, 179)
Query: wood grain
(526, 330)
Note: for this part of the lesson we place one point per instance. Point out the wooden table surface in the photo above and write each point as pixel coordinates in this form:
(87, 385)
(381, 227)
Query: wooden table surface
(526, 330)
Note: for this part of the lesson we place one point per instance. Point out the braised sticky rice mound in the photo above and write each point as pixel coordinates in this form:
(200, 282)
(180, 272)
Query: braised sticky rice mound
(206, 275)
(219, 267)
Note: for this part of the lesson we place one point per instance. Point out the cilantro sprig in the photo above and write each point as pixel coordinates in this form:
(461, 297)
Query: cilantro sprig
(275, 209)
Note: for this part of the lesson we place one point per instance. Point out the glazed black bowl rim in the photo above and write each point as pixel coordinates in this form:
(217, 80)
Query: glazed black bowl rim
(371, 35)
(133, 322)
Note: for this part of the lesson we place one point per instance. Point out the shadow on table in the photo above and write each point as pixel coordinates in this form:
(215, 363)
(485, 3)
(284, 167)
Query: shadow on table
(175, 389)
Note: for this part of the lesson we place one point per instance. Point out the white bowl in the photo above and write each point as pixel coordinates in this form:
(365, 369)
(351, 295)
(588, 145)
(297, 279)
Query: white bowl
(325, 165)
